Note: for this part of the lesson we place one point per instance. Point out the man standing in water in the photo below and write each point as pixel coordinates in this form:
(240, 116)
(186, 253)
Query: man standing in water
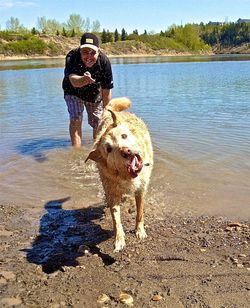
(87, 83)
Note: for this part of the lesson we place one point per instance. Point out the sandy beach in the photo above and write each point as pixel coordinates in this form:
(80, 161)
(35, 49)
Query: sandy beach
(64, 258)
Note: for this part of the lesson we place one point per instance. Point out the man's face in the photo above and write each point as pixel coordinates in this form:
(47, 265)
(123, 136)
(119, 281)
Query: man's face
(89, 56)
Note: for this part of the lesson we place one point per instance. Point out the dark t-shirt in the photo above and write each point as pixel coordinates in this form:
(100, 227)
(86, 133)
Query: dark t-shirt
(101, 71)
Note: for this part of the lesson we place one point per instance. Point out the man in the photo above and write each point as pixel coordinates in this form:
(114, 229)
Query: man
(87, 83)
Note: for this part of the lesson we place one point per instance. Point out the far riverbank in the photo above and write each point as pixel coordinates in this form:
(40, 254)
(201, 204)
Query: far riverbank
(31, 57)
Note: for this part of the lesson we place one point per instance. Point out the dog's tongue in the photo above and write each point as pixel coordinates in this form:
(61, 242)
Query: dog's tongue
(135, 165)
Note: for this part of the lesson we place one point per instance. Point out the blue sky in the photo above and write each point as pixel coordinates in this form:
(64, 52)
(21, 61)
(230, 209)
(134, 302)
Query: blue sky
(152, 15)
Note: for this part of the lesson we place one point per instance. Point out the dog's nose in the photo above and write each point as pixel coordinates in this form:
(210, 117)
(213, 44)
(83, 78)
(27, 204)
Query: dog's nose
(125, 152)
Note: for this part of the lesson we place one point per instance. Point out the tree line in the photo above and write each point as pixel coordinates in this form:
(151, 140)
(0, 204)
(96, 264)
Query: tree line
(193, 37)
(226, 35)
(75, 25)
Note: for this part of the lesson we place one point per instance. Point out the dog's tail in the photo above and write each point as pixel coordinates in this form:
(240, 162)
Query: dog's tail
(118, 104)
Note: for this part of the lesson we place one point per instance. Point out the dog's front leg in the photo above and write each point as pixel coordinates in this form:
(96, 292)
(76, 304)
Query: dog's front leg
(139, 226)
(119, 233)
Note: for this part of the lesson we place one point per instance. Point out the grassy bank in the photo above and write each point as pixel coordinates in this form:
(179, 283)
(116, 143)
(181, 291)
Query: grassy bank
(27, 45)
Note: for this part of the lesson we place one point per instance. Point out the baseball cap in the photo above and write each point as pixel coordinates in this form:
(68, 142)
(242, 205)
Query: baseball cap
(89, 40)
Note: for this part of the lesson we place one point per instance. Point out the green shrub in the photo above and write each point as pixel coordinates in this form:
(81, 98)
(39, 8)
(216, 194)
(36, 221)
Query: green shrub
(26, 46)
(159, 42)
(12, 36)
(54, 49)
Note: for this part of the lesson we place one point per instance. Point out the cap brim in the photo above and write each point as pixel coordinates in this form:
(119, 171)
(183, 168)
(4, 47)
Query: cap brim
(89, 46)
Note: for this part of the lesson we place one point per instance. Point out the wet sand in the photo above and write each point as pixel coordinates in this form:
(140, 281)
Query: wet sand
(57, 257)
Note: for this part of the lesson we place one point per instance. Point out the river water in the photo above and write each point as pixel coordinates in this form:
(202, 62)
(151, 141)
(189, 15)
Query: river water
(197, 110)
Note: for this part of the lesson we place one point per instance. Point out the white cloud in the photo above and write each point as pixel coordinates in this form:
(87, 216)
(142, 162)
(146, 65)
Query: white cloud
(25, 3)
(6, 4)
(10, 4)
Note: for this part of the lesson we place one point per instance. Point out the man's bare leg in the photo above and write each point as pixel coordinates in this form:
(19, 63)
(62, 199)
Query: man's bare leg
(75, 130)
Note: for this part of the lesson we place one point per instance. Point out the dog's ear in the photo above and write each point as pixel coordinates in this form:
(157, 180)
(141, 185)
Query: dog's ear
(114, 118)
(94, 155)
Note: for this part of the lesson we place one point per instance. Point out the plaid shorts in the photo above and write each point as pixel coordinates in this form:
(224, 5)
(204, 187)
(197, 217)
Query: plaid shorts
(76, 107)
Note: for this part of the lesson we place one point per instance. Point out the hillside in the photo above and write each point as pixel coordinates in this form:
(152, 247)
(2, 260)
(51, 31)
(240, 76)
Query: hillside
(19, 46)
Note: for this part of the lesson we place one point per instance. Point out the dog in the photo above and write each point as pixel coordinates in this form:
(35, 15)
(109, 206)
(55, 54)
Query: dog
(124, 155)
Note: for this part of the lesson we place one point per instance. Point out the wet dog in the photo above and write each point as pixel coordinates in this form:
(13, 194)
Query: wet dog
(124, 156)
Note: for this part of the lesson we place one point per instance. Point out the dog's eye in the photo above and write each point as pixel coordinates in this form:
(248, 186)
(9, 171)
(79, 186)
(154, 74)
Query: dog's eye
(109, 148)
(124, 136)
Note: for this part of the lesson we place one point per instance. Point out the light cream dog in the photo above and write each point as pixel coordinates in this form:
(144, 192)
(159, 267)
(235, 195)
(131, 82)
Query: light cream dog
(124, 156)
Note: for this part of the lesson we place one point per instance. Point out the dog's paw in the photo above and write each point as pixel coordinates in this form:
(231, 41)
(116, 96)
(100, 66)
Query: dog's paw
(119, 244)
(141, 233)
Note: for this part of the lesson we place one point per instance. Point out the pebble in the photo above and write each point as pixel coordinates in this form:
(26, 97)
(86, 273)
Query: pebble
(126, 299)
(237, 224)
(103, 299)
(242, 255)
(157, 298)
(83, 249)
(234, 260)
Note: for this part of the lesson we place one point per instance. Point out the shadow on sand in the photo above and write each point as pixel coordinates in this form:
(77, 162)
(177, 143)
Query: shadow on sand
(62, 232)
(37, 147)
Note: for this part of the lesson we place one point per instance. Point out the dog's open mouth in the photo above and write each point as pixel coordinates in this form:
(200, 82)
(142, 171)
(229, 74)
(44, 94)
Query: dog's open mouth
(135, 165)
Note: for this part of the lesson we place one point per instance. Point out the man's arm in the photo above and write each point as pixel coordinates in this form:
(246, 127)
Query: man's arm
(106, 96)
(81, 81)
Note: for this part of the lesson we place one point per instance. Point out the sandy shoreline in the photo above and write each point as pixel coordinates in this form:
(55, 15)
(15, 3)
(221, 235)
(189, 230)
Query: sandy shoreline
(23, 57)
(54, 257)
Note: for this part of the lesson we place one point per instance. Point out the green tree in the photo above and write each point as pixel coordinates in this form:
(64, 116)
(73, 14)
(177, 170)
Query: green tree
(50, 26)
(64, 32)
(109, 36)
(76, 22)
(188, 36)
(116, 35)
(104, 36)
(53, 26)
(96, 26)
(13, 25)
(87, 25)
(124, 35)
(34, 31)
(73, 34)
(42, 24)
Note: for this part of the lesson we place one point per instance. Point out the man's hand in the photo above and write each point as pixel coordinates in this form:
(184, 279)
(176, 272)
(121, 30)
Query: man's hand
(81, 81)
(87, 78)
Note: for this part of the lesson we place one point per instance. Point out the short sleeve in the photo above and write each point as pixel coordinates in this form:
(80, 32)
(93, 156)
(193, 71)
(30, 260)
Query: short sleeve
(107, 76)
(71, 63)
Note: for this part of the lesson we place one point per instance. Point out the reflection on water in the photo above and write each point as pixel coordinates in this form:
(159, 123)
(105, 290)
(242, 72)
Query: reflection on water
(38, 148)
(198, 114)
(59, 62)
(30, 64)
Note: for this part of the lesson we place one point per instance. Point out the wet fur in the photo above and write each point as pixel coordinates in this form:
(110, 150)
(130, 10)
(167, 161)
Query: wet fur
(119, 130)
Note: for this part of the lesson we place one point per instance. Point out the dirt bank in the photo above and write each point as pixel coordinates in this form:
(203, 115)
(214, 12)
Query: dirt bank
(54, 257)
